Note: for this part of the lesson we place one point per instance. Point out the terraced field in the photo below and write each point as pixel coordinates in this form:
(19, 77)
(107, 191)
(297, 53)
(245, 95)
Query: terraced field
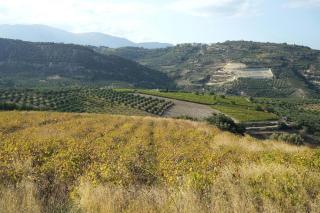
(68, 162)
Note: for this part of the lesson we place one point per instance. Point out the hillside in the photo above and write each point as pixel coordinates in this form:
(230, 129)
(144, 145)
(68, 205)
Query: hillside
(59, 162)
(235, 67)
(26, 64)
(42, 33)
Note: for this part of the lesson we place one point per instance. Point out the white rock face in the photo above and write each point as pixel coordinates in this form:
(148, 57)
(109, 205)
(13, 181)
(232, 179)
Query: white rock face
(233, 71)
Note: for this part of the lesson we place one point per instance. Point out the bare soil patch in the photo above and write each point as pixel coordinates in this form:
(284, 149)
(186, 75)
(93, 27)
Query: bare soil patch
(184, 108)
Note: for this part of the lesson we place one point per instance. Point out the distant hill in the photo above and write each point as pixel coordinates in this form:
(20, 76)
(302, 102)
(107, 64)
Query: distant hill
(42, 33)
(235, 67)
(27, 64)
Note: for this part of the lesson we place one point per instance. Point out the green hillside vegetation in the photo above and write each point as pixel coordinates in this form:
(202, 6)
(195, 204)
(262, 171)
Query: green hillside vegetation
(64, 162)
(302, 114)
(296, 112)
(296, 68)
(245, 114)
(239, 108)
(82, 100)
(261, 88)
(30, 65)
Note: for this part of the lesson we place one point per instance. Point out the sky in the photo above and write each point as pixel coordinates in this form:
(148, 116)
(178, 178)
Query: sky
(176, 21)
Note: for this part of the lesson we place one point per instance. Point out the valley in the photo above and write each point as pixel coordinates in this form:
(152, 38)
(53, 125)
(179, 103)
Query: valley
(79, 122)
(145, 106)
(263, 118)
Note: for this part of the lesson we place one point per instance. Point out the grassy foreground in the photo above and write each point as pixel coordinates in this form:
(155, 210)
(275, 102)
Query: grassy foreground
(60, 162)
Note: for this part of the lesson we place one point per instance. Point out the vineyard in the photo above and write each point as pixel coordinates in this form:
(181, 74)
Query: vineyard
(83, 100)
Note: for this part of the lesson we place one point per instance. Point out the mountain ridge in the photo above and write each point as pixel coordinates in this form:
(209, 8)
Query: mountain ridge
(28, 64)
(43, 33)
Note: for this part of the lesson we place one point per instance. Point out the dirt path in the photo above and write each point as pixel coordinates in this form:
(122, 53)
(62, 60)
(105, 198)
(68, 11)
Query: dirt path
(184, 108)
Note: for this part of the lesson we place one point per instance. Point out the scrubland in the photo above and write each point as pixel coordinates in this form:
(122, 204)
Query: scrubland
(64, 162)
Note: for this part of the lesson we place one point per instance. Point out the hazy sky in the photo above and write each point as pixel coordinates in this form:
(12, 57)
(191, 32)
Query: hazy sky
(176, 21)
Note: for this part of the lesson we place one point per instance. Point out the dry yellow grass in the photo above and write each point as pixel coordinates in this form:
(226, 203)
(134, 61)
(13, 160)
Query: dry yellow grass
(60, 162)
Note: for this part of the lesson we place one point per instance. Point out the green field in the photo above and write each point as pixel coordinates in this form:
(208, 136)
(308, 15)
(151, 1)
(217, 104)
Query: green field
(183, 96)
(239, 108)
(243, 114)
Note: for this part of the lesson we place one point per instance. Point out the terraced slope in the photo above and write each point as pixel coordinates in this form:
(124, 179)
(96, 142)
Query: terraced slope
(295, 69)
(59, 162)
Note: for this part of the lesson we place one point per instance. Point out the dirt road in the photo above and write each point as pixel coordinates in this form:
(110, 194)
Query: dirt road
(184, 108)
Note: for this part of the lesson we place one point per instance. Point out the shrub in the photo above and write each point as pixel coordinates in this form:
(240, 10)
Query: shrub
(282, 126)
(258, 108)
(226, 123)
(185, 117)
(270, 109)
(289, 138)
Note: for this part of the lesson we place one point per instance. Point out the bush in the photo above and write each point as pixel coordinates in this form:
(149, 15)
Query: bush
(282, 126)
(13, 106)
(259, 108)
(270, 109)
(225, 123)
(289, 138)
(185, 117)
